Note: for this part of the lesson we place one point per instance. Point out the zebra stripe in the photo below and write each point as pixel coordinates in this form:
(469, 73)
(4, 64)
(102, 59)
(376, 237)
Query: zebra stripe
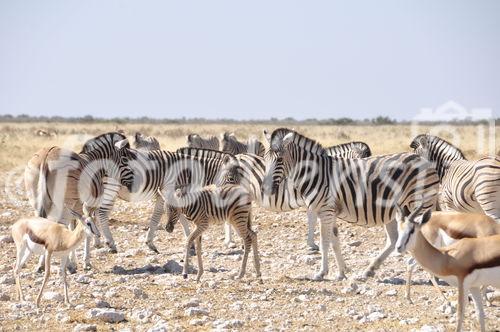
(230, 144)
(365, 191)
(196, 141)
(209, 204)
(466, 186)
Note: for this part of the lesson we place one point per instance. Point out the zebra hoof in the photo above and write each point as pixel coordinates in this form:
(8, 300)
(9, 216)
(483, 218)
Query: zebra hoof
(71, 269)
(340, 277)
(368, 274)
(87, 266)
(40, 269)
(318, 277)
(184, 275)
(152, 247)
(230, 245)
(313, 248)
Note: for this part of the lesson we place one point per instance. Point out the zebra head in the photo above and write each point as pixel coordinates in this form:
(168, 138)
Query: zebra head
(420, 145)
(171, 207)
(113, 147)
(230, 173)
(146, 143)
(409, 225)
(278, 162)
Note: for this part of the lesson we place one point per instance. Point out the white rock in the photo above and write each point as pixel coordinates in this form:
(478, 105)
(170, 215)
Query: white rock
(227, 324)
(194, 302)
(375, 316)
(322, 307)
(53, 296)
(198, 321)
(83, 279)
(139, 293)
(160, 327)
(391, 292)
(447, 308)
(84, 327)
(195, 311)
(430, 328)
(301, 298)
(106, 315)
(142, 315)
(355, 243)
(102, 304)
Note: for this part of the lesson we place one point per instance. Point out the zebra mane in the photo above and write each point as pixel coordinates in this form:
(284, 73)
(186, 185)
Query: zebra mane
(146, 142)
(436, 143)
(108, 139)
(204, 153)
(302, 141)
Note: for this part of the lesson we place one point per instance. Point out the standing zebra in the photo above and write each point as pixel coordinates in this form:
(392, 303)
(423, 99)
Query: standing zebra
(230, 144)
(466, 186)
(143, 142)
(228, 203)
(360, 191)
(56, 178)
(196, 141)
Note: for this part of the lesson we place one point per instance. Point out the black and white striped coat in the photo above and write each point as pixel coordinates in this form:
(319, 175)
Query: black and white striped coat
(365, 191)
(466, 186)
(349, 150)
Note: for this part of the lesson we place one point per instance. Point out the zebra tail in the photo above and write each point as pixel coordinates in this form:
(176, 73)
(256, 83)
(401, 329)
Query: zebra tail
(42, 197)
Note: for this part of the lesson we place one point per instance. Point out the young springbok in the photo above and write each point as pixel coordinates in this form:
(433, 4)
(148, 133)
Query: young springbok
(214, 204)
(468, 263)
(44, 237)
(446, 228)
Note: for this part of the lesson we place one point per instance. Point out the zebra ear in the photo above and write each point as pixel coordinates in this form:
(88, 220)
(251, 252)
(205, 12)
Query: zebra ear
(122, 144)
(267, 136)
(287, 139)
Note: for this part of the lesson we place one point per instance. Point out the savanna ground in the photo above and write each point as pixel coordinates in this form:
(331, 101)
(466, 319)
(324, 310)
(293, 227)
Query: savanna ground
(150, 291)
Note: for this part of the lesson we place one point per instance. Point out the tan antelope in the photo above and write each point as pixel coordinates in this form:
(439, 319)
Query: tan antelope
(469, 263)
(37, 235)
(446, 228)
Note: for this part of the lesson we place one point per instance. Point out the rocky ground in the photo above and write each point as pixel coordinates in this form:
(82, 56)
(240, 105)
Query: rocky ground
(139, 290)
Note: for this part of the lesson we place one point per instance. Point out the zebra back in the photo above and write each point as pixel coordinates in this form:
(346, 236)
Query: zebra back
(349, 150)
(306, 143)
(230, 144)
(196, 141)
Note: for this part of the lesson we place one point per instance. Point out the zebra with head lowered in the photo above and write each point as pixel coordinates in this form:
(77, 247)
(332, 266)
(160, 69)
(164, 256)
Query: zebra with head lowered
(196, 141)
(349, 150)
(230, 144)
(365, 192)
(57, 180)
(467, 186)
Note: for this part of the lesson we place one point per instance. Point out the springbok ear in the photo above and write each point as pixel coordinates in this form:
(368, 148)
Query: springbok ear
(426, 217)
(287, 139)
(76, 214)
(121, 144)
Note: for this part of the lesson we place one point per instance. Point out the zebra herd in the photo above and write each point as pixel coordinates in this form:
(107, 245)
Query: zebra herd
(202, 184)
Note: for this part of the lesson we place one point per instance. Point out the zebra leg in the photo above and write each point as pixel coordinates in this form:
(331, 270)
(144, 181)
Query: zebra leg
(103, 220)
(256, 261)
(86, 252)
(338, 254)
(326, 227)
(185, 227)
(200, 259)
(200, 228)
(391, 231)
(247, 243)
(71, 264)
(153, 223)
(311, 226)
(228, 236)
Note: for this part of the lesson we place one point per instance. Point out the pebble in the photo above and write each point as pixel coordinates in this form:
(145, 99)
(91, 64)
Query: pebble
(391, 292)
(160, 327)
(102, 304)
(53, 296)
(141, 315)
(83, 279)
(85, 327)
(6, 239)
(355, 243)
(7, 280)
(429, 328)
(106, 315)
(195, 311)
(198, 321)
(194, 302)
(227, 324)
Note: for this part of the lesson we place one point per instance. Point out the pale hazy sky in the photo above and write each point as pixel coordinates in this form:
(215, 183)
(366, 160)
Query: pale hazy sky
(252, 59)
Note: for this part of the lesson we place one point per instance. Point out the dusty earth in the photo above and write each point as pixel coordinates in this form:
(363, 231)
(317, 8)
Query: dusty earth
(139, 290)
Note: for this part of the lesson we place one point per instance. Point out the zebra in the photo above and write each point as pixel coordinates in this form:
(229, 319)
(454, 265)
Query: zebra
(57, 178)
(466, 186)
(228, 203)
(350, 150)
(143, 142)
(230, 144)
(196, 141)
(366, 191)
(169, 170)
